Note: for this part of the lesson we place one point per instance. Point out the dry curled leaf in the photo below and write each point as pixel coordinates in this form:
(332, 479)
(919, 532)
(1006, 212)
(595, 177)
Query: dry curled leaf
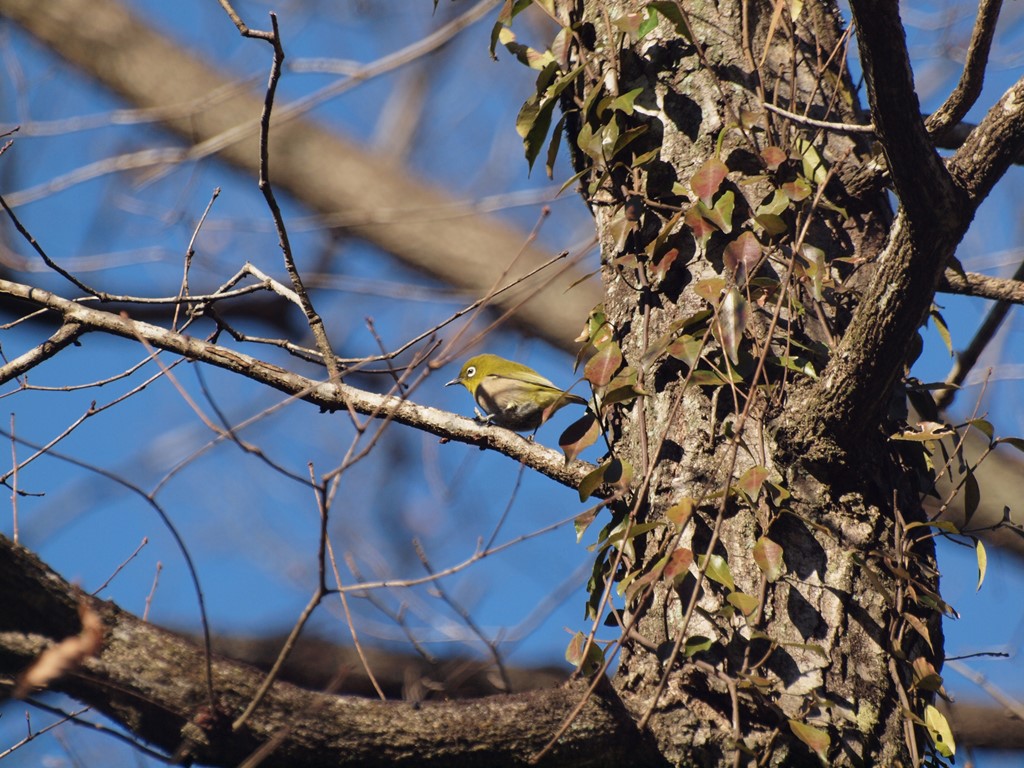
(65, 656)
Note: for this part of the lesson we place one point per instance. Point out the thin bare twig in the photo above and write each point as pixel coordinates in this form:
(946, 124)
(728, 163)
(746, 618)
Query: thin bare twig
(132, 556)
(316, 324)
(839, 127)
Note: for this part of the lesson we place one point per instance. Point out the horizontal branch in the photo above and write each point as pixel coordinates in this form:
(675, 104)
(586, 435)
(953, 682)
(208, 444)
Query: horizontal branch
(983, 286)
(157, 701)
(327, 395)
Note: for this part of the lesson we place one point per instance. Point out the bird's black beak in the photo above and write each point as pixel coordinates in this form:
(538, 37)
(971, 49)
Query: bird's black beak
(453, 381)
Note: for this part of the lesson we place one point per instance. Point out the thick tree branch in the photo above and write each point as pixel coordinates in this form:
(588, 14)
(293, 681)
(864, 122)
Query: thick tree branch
(922, 184)
(398, 213)
(149, 679)
(866, 363)
(326, 395)
(991, 147)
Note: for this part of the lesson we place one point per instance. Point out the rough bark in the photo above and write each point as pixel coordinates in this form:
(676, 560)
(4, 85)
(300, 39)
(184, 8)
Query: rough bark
(152, 681)
(828, 644)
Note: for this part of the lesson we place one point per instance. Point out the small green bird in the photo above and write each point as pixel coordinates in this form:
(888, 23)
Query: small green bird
(511, 394)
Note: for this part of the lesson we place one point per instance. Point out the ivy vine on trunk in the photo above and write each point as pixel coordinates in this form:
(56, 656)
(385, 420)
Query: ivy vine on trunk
(779, 594)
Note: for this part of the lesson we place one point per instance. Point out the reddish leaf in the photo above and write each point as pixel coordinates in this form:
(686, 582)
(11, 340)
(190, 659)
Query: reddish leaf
(742, 255)
(751, 481)
(678, 564)
(702, 228)
(602, 366)
(664, 264)
(708, 178)
(687, 349)
(581, 434)
(797, 190)
(574, 654)
(773, 157)
(815, 738)
(768, 556)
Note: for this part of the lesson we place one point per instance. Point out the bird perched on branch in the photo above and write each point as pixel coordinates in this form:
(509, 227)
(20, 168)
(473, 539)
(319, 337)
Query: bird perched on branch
(512, 395)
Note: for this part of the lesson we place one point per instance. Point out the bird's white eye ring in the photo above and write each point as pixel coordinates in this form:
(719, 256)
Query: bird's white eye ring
(471, 371)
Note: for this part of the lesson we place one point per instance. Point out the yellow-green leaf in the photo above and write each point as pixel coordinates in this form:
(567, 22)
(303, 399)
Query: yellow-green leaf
(744, 603)
(696, 644)
(717, 569)
(680, 512)
(979, 550)
(938, 729)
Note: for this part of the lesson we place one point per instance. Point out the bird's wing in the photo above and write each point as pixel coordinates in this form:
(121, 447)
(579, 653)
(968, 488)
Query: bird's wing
(528, 376)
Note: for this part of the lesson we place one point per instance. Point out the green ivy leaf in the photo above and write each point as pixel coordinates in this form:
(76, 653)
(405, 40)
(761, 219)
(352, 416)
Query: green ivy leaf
(717, 570)
(507, 13)
(696, 644)
(582, 522)
(744, 603)
(624, 103)
(680, 512)
(732, 322)
(556, 142)
(721, 213)
(670, 10)
(614, 472)
(530, 57)
(972, 497)
(813, 166)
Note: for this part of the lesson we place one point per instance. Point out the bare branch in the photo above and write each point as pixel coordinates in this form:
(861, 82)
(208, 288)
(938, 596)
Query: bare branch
(983, 286)
(324, 171)
(328, 396)
(925, 189)
(65, 336)
(973, 77)
(967, 359)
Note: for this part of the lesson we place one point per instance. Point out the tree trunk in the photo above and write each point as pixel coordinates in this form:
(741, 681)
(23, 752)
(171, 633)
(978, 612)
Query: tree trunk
(802, 629)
